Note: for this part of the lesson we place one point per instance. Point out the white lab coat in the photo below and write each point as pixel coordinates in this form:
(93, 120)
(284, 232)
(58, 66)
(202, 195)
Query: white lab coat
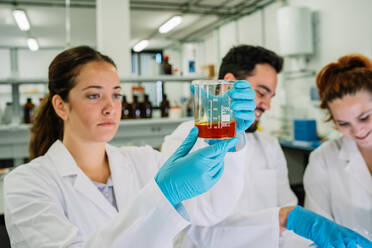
(255, 178)
(50, 202)
(338, 185)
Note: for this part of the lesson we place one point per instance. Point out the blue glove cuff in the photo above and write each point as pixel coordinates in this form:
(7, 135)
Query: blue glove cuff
(299, 220)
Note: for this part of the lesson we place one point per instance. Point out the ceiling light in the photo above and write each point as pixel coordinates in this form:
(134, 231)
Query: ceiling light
(32, 44)
(170, 24)
(141, 45)
(21, 19)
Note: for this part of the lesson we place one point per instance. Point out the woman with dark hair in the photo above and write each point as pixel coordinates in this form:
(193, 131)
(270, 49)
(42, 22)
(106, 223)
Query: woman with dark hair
(338, 179)
(79, 191)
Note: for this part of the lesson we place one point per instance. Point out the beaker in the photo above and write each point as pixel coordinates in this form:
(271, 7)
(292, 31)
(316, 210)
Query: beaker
(212, 109)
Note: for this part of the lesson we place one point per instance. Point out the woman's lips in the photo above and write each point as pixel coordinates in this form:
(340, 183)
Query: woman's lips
(362, 137)
(107, 123)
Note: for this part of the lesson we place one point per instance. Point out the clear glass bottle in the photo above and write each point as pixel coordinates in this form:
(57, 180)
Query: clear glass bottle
(8, 113)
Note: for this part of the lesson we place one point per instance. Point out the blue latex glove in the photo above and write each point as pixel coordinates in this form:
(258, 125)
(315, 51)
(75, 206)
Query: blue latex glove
(184, 175)
(324, 232)
(243, 104)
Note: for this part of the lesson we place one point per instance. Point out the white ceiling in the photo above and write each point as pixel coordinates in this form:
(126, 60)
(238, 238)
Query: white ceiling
(48, 20)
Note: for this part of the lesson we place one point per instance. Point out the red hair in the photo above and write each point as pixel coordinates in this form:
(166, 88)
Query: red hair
(350, 74)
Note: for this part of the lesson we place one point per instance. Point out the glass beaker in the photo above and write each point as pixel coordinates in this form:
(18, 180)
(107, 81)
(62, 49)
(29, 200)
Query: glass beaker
(212, 104)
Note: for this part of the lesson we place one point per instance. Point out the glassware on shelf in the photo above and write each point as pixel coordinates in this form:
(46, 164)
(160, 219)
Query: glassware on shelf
(136, 108)
(125, 109)
(8, 113)
(28, 110)
(146, 108)
(164, 106)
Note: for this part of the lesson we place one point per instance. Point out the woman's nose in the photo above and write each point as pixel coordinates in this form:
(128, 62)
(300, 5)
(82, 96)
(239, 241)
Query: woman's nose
(108, 106)
(357, 130)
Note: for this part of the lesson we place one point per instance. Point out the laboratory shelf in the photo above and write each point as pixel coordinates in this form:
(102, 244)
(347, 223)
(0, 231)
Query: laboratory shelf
(14, 139)
(130, 79)
(16, 82)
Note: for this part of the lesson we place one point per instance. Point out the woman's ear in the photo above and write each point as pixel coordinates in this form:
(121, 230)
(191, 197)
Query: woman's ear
(60, 107)
(229, 76)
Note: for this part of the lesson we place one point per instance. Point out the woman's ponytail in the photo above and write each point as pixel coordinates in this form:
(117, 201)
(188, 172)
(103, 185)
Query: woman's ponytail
(46, 128)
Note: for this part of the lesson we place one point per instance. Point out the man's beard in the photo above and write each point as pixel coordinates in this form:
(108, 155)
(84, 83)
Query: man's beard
(252, 128)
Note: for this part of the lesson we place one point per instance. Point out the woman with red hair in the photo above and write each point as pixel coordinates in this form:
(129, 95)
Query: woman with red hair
(338, 179)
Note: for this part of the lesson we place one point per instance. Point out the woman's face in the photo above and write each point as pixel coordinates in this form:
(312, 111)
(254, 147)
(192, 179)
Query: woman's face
(352, 116)
(94, 104)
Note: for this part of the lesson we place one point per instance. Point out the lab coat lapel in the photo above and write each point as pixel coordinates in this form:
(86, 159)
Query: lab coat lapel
(122, 176)
(86, 187)
(355, 164)
(67, 167)
(260, 146)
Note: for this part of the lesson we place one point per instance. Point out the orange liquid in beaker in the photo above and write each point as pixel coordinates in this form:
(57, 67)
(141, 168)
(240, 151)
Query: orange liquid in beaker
(224, 130)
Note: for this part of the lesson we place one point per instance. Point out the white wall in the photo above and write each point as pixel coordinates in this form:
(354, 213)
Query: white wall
(5, 71)
(250, 29)
(228, 37)
(270, 27)
(34, 65)
(343, 26)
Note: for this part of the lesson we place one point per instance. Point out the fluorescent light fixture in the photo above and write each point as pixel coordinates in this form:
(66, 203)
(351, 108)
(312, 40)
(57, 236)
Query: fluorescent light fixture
(21, 19)
(141, 45)
(170, 24)
(32, 44)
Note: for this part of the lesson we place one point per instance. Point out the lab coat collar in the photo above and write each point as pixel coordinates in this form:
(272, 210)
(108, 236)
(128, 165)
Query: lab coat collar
(355, 164)
(67, 168)
(122, 176)
(61, 157)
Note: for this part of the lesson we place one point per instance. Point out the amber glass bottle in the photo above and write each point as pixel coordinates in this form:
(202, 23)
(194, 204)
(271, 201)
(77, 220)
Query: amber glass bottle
(136, 108)
(146, 108)
(164, 106)
(28, 110)
(125, 108)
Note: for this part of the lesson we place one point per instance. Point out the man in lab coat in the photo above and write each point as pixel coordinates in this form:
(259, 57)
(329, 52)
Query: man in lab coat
(256, 175)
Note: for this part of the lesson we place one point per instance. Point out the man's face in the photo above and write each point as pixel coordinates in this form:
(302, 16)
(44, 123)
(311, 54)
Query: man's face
(263, 80)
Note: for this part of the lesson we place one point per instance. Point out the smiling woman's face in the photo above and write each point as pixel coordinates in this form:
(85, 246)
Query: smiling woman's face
(352, 115)
(94, 104)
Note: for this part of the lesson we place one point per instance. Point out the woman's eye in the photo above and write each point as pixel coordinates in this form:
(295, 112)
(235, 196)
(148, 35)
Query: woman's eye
(117, 96)
(364, 118)
(93, 96)
(342, 124)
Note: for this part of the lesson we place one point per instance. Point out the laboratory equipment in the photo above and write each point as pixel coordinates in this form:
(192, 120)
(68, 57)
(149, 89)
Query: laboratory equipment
(305, 130)
(125, 108)
(146, 108)
(212, 109)
(164, 106)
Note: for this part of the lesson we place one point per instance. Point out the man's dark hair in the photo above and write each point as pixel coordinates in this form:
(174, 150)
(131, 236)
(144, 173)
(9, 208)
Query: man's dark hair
(241, 61)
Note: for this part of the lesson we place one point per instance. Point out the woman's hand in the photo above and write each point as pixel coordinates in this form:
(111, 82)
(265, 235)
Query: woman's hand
(184, 175)
(324, 232)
